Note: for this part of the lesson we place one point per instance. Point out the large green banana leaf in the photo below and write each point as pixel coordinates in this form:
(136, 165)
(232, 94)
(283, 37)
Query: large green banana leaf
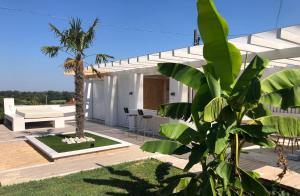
(257, 130)
(223, 58)
(208, 185)
(217, 139)
(253, 70)
(224, 170)
(165, 147)
(250, 184)
(182, 184)
(214, 108)
(201, 98)
(197, 153)
(281, 80)
(185, 74)
(179, 132)
(286, 125)
(213, 84)
(176, 110)
(247, 87)
(261, 141)
(284, 98)
(253, 93)
(259, 111)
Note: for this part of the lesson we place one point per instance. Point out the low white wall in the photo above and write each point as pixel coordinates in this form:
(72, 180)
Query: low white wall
(68, 110)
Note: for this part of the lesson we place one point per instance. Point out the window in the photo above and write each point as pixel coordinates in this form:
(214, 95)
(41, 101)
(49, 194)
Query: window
(156, 91)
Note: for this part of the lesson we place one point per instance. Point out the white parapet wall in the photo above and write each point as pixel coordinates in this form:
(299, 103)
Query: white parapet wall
(68, 110)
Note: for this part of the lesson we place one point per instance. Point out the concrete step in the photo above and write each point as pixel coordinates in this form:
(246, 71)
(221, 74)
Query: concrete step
(294, 157)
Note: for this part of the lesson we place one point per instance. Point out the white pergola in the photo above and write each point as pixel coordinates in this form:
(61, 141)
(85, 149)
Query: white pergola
(280, 46)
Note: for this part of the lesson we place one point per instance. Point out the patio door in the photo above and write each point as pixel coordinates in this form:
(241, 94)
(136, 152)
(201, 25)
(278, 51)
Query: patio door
(98, 100)
(123, 99)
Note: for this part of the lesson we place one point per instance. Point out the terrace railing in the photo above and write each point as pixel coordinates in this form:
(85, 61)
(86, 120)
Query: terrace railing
(289, 111)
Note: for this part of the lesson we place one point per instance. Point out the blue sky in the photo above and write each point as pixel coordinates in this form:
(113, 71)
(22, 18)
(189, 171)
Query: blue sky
(128, 28)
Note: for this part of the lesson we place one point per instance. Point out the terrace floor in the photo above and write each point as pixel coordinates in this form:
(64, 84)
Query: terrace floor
(19, 154)
(20, 162)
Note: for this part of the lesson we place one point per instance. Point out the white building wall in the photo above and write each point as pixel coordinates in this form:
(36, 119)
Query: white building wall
(110, 90)
(88, 99)
(178, 92)
(136, 96)
(117, 88)
(98, 99)
(136, 90)
(123, 94)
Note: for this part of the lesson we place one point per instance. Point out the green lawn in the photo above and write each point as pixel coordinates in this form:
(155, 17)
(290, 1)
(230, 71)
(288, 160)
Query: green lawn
(56, 144)
(140, 178)
(133, 178)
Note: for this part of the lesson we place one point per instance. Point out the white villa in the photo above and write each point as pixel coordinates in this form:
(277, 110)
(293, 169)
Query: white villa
(134, 83)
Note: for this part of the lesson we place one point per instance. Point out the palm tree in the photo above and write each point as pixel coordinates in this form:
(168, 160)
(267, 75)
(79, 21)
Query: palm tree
(74, 41)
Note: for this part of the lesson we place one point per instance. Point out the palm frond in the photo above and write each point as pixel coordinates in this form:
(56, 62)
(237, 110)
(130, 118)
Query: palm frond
(56, 31)
(51, 51)
(70, 64)
(74, 37)
(103, 58)
(75, 24)
(98, 73)
(90, 35)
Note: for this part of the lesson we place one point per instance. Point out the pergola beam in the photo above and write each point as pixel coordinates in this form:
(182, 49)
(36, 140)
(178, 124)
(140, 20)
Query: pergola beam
(269, 40)
(290, 34)
(280, 46)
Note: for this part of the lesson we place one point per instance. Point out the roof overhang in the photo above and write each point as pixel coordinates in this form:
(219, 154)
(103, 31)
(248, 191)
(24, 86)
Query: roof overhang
(280, 46)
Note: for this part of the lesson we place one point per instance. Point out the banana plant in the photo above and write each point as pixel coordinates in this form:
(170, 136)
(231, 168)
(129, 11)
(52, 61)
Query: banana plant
(213, 124)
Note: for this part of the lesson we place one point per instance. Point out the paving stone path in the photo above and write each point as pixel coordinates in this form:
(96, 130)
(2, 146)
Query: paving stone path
(19, 162)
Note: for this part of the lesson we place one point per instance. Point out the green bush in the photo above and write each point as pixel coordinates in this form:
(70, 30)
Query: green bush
(58, 102)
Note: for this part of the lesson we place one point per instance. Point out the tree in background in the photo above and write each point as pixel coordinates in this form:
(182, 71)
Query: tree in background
(74, 41)
(214, 132)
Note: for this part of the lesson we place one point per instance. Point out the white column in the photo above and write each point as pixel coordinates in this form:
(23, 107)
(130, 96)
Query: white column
(110, 89)
(136, 90)
(136, 95)
(178, 92)
(88, 98)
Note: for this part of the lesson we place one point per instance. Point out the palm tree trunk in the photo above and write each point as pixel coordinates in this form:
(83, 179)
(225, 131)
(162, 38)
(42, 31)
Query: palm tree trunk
(79, 99)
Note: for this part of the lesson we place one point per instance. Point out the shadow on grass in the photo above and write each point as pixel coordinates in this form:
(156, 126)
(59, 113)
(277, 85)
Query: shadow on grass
(131, 184)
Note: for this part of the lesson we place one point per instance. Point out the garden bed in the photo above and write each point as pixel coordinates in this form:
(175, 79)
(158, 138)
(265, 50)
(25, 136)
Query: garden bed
(54, 148)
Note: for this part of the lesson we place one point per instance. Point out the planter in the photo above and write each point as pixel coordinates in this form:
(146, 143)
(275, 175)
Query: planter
(48, 144)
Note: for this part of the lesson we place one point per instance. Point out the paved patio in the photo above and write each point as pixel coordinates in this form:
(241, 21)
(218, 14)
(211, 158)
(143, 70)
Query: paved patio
(19, 154)
(20, 162)
(257, 159)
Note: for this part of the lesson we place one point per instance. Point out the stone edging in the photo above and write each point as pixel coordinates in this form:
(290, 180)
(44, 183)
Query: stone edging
(55, 155)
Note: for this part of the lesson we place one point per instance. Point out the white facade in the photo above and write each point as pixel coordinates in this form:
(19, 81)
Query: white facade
(122, 85)
(106, 98)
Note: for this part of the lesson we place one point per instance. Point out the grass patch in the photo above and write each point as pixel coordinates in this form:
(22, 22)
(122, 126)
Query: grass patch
(133, 178)
(54, 142)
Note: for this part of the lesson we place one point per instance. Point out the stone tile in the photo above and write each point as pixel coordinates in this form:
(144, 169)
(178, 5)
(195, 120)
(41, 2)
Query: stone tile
(291, 178)
(73, 165)
(261, 160)
(19, 154)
